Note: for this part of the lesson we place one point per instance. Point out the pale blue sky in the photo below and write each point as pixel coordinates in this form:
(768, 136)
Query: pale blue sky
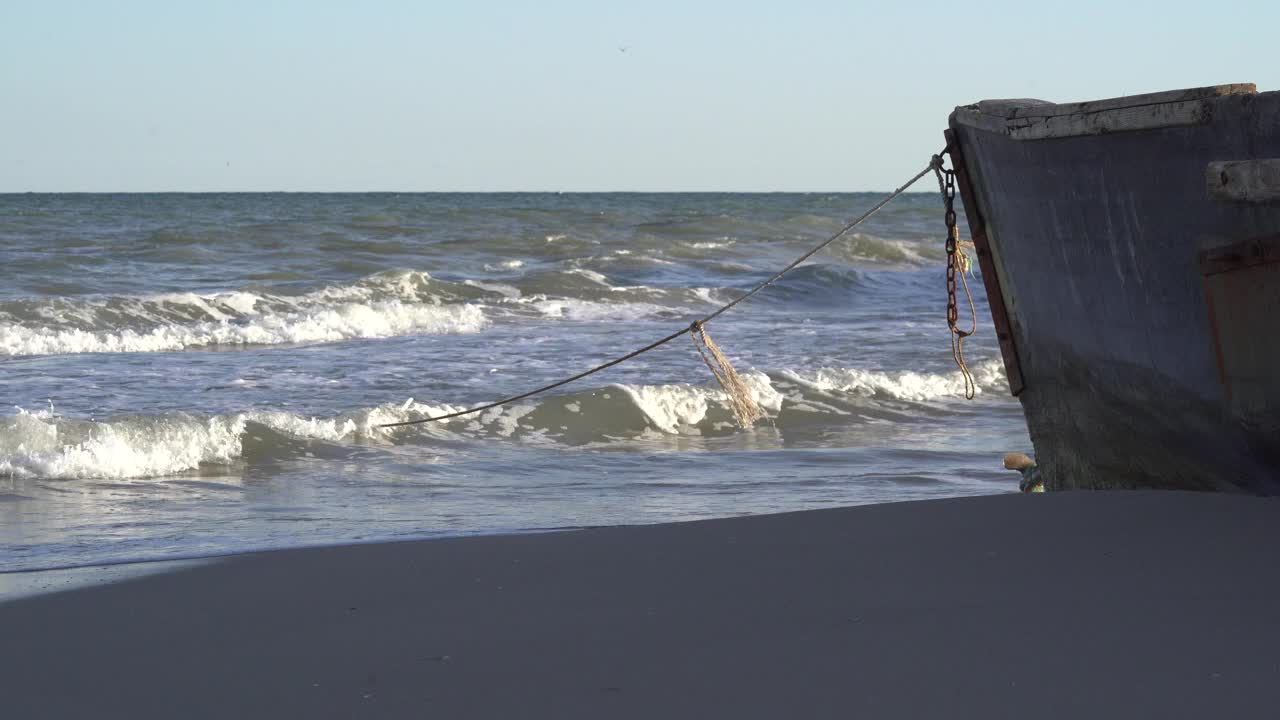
(476, 95)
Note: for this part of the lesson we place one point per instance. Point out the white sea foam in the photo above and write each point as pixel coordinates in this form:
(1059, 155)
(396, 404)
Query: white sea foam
(590, 310)
(714, 245)
(869, 248)
(669, 407)
(404, 284)
(504, 265)
(141, 314)
(37, 445)
(504, 421)
(906, 385)
(507, 291)
(386, 304)
(43, 445)
(330, 429)
(344, 321)
(591, 275)
(706, 295)
(677, 408)
(394, 284)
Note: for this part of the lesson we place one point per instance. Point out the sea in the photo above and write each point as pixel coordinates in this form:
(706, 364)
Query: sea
(196, 375)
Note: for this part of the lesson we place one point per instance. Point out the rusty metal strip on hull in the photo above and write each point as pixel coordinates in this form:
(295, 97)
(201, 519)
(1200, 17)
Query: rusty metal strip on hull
(1215, 264)
(1239, 255)
(995, 298)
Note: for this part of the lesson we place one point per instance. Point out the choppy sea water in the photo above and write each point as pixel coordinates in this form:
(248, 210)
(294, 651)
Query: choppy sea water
(189, 375)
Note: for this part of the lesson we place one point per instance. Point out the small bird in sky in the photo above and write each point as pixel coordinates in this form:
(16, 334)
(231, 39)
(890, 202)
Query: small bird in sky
(623, 48)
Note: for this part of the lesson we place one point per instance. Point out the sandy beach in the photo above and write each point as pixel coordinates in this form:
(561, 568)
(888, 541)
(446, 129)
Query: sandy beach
(1059, 605)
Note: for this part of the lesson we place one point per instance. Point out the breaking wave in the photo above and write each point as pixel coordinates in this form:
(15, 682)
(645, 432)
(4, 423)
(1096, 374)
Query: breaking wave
(383, 305)
(341, 322)
(395, 303)
(405, 302)
(44, 445)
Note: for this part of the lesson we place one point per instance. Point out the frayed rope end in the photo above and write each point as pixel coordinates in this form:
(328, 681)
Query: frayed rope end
(745, 409)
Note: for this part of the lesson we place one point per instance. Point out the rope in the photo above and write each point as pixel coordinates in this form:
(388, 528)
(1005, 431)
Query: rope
(544, 388)
(891, 197)
(695, 327)
(935, 164)
(957, 343)
(745, 409)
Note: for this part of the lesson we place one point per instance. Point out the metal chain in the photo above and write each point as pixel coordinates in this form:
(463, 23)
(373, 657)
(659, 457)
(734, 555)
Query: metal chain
(953, 240)
(947, 183)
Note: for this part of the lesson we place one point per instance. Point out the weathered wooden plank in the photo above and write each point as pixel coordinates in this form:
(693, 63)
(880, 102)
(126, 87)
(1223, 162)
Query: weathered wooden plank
(1133, 101)
(1145, 117)
(1009, 108)
(1031, 108)
(1247, 181)
(1028, 119)
(971, 117)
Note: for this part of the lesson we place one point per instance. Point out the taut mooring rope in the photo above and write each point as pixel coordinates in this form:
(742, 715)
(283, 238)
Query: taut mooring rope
(695, 327)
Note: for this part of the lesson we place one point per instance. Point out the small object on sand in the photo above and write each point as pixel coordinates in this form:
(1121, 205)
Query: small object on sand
(1031, 481)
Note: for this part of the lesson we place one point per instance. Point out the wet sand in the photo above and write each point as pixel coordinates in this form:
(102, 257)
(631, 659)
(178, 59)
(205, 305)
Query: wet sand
(1032, 606)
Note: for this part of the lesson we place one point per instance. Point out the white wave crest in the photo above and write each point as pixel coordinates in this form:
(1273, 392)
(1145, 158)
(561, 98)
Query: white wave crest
(36, 445)
(41, 445)
(675, 408)
(906, 385)
(386, 304)
(504, 265)
(592, 310)
(592, 275)
(507, 291)
(714, 245)
(402, 284)
(321, 324)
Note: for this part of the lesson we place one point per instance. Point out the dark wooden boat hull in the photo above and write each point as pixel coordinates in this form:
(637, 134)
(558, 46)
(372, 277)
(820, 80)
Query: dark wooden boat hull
(1133, 248)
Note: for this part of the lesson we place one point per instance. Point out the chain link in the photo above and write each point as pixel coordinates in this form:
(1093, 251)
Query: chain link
(947, 183)
(952, 243)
